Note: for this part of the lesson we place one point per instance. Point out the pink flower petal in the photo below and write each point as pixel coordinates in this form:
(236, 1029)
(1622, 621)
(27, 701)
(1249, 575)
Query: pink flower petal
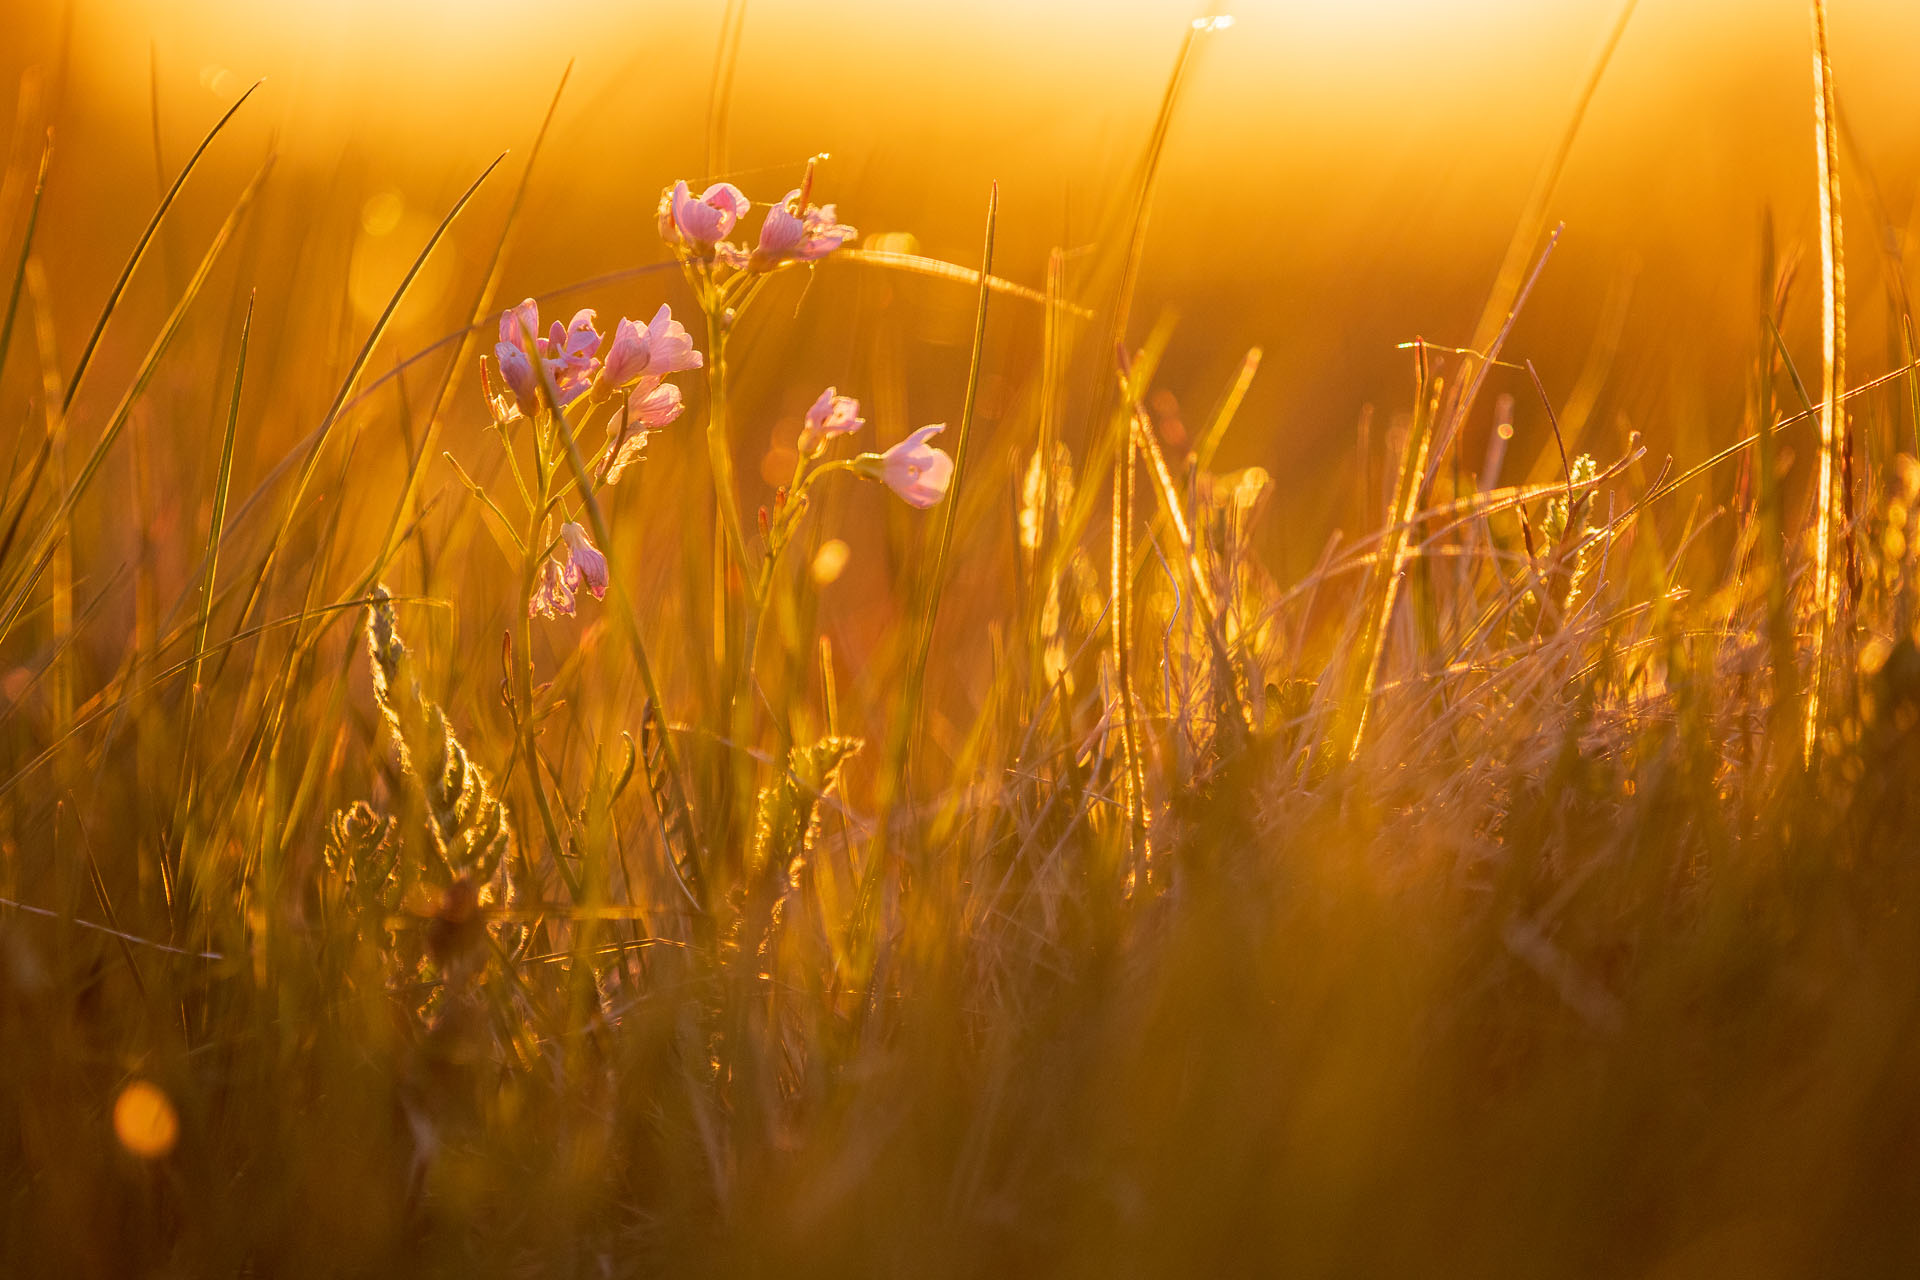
(916, 470)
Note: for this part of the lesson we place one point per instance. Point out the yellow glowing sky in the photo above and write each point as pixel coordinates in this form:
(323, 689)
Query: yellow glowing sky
(1341, 175)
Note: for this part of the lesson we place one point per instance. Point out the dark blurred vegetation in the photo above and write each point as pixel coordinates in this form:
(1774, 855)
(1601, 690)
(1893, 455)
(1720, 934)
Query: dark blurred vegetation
(1498, 923)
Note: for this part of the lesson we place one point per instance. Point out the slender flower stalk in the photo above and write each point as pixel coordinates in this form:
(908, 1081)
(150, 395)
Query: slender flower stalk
(537, 584)
(550, 387)
(719, 450)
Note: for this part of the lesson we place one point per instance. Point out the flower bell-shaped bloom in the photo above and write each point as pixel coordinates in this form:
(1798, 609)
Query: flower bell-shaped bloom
(916, 470)
(502, 406)
(696, 223)
(567, 351)
(552, 597)
(586, 566)
(637, 355)
(645, 414)
(794, 232)
(831, 415)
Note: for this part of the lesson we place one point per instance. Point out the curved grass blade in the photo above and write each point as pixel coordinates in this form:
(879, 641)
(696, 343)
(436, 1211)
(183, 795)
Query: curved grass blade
(1511, 281)
(489, 287)
(1104, 444)
(216, 525)
(140, 249)
(895, 781)
(147, 367)
(107, 705)
(26, 252)
(317, 442)
(949, 516)
(940, 269)
(1216, 428)
(733, 28)
(693, 874)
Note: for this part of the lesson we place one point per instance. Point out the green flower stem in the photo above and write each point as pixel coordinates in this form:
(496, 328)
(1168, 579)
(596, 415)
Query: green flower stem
(736, 706)
(537, 550)
(719, 452)
(513, 464)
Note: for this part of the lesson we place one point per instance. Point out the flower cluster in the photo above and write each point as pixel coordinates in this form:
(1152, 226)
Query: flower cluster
(565, 354)
(914, 469)
(697, 226)
(560, 582)
(623, 377)
(574, 376)
(637, 361)
(637, 364)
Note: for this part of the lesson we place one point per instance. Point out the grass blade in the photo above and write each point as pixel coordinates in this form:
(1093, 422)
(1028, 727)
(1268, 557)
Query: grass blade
(1508, 283)
(140, 248)
(1832, 599)
(147, 366)
(938, 269)
(907, 714)
(733, 28)
(26, 252)
(489, 288)
(216, 526)
(317, 442)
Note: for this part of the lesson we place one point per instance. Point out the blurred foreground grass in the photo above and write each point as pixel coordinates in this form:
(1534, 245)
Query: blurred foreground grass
(1526, 890)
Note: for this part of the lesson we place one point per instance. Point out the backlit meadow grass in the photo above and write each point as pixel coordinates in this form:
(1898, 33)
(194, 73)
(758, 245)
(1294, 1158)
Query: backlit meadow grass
(657, 778)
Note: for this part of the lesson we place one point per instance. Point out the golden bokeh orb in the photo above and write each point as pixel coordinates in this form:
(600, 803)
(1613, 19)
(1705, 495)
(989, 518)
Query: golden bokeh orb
(144, 1120)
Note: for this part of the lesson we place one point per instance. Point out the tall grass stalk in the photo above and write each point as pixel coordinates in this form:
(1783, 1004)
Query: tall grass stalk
(26, 253)
(1835, 581)
(210, 574)
(85, 359)
(142, 376)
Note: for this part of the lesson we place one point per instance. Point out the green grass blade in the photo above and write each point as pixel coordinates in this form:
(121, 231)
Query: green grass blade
(216, 526)
(26, 252)
(147, 366)
(1509, 282)
(317, 442)
(106, 705)
(489, 288)
(1835, 573)
(140, 249)
(895, 779)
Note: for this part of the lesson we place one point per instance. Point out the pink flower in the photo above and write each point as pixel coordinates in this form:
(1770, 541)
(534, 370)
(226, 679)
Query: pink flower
(645, 414)
(916, 470)
(698, 222)
(830, 416)
(636, 354)
(586, 566)
(502, 405)
(552, 597)
(797, 232)
(567, 352)
(517, 369)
